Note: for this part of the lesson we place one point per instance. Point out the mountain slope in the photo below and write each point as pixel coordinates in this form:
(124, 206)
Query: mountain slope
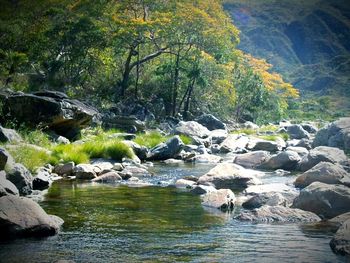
(308, 43)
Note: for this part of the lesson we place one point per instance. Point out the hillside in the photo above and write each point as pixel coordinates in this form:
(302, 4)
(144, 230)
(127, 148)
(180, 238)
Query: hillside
(309, 43)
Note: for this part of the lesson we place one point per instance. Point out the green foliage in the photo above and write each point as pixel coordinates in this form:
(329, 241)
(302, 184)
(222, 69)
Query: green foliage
(150, 139)
(32, 158)
(36, 137)
(82, 153)
(245, 131)
(185, 139)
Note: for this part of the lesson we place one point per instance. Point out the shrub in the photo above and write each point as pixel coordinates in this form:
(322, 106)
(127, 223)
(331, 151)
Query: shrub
(117, 150)
(68, 153)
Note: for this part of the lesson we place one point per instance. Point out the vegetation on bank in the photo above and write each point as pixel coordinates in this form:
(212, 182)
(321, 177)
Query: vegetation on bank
(180, 53)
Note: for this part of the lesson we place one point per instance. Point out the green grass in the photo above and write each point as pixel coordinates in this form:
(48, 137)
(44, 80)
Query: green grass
(36, 137)
(185, 139)
(82, 153)
(267, 128)
(150, 139)
(245, 131)
(30, 157)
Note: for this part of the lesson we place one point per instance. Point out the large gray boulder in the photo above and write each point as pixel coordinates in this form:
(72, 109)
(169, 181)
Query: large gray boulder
(21, 178)
(9, 135)
(323, 172)
(234, 143)
(5, 159)
(252, 159)
(230, 176)
(325, 200)
(127, 123)
(336, 134)
(287, 160)
(191, 128)
(22, 217)
(223, 199)
(218, 136)
(296, 131)
(211, 122)
(322, 154)
(270, 214)
(265, 145)
(340, 243)
(169, 149)
(6, 187)
(50, 110)
(271, 199)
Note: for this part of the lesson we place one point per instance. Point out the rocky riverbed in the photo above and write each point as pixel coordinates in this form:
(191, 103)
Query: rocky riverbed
(220, 182)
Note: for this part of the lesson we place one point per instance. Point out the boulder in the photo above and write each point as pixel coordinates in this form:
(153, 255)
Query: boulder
(166, 150)
(202, 189)
(5, 159)
(127, 123)
(322, 154)
(84, 171)
(21, 178)
(271, 199)
(296, 131)
(191, 128)
(325, 200)
(336, 134)
(310, 128)
(218, 136)
(234, 143)
(137, 171)
(223, 199)
(323, 172)
(252, 159)
(140, 151)
(229, 175)
(340, 219)
(6, 187)
(183, 183)
(64, 169)
(205, 158)
(210, 122)
(340, 243)
(265, 145)
(249, 125)
(287, 160)
(268, 188)
(48, 110)
(42, 180)
(109, 177)
(9, 135)
(173, 161)
(22, 217)
(270, 214)
(301, 151)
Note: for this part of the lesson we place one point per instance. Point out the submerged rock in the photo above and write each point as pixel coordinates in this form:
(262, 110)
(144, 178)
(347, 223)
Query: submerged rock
(229, 175)
(340, 243)
(223, 199)
(22, 217)
(325, 200)
(270, 214)
(109, 177)
(183, 183)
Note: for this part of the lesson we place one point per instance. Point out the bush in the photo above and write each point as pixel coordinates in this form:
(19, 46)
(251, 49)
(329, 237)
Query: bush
(117, 150)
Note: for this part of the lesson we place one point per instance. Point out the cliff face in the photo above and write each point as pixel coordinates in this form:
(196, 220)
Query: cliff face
(308, 43)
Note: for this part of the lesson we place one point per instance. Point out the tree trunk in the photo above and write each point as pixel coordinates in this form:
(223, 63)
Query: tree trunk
(126, 73)
(176, 82)
(187, 102)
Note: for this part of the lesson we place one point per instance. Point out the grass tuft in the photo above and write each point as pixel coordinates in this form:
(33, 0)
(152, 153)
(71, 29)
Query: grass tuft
(150, 139)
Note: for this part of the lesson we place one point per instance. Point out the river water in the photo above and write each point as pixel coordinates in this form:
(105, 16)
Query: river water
(117, 223)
